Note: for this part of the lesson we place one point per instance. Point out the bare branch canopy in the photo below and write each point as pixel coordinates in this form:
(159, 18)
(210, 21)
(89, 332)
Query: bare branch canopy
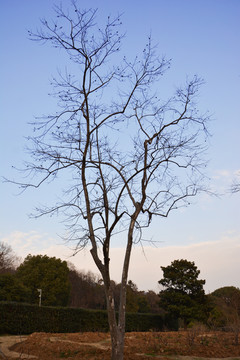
(127, 155)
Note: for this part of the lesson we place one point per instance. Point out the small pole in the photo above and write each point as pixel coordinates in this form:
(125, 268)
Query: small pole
(40, 296)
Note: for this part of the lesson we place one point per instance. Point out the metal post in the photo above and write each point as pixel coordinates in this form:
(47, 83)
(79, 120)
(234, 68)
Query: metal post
(40, 296)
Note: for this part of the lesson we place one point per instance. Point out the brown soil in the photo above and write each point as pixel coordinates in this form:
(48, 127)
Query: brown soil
(143, 346)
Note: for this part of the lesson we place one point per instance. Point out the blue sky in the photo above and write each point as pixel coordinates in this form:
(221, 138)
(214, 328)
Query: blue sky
(200, 36)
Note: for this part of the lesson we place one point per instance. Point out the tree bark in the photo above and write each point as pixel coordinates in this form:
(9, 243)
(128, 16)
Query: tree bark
(118, 336)
(116, 332)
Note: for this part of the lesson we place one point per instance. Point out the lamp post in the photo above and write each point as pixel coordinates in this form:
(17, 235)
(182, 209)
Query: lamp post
(40, 296)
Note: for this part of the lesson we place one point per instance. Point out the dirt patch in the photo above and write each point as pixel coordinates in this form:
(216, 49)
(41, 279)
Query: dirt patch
(143, 346)
(6, 342)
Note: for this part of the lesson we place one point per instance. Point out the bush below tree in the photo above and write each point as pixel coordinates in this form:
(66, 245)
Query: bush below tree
(19, 318)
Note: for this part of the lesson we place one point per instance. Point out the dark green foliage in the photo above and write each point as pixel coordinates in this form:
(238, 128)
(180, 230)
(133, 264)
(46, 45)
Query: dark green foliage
(19, 318)
(225, 313)
(12, 289)
(143, 306)
(136, 301)
(182, 275)
(25, 319)
(48, 274)
(226, 293)
(184, 295)
(146, 322)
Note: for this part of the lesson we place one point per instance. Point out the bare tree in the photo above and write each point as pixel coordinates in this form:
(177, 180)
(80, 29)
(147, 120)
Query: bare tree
(8, 259)
(127, 155)
(235, 188)
(235, 185)
(87, 290)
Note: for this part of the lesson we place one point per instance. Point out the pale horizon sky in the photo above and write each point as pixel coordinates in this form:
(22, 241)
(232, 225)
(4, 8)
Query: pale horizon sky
(200, 36)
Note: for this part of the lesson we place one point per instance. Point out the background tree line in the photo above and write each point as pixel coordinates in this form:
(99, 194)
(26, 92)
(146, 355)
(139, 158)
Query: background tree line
(181, 295)
(62, 284)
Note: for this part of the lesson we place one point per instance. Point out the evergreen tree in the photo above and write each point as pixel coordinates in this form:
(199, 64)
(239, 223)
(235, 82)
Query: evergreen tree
(183, 296)
(12, 289)
(48, 274)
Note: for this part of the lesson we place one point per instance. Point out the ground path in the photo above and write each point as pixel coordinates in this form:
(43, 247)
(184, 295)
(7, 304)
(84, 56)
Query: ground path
(6, 342)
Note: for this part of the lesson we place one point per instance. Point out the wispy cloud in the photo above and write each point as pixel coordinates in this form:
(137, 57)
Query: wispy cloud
(222, 174)
(218, 261)
(24, 243)
(222, 179)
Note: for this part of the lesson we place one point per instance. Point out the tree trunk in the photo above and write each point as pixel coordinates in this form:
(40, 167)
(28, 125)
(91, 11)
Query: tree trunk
(116, 326)
(117, 332)
(117, 345)
(236, 336)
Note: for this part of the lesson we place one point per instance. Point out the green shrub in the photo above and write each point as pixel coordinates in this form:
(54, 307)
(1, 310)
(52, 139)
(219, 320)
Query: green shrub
(19, 318)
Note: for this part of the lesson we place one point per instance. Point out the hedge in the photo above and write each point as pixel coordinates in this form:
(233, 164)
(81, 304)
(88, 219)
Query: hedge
(19, 318)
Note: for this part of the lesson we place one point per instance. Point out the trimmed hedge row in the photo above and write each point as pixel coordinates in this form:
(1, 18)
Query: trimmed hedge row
(147, 322)
(19, 318)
